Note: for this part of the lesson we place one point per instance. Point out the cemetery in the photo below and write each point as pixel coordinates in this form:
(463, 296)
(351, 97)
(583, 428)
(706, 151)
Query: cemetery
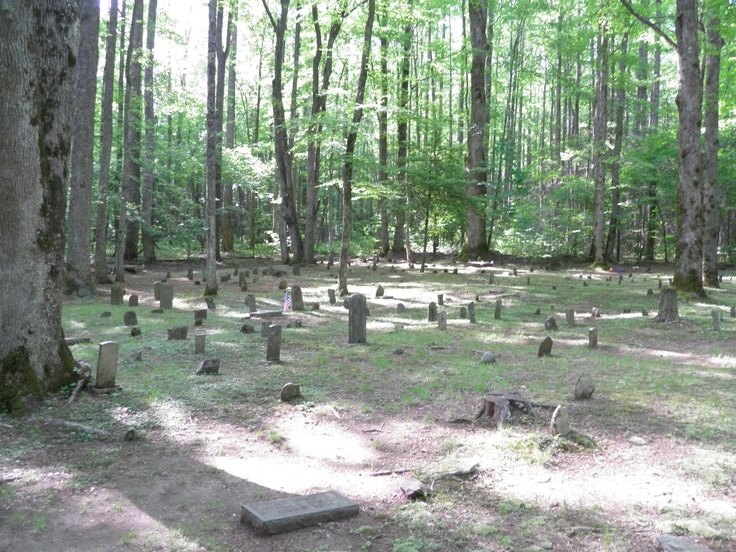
(462, 407)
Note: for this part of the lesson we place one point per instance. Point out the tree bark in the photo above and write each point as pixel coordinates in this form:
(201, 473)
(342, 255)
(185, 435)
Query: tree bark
(614, 228)
(476, 246)
(688, 263)
(106, 115)
(228, 239)
(347, 170)
(599, 144)
(211, 156)
(147, 235)
(383, 144)
(37, 111)
(78, 273)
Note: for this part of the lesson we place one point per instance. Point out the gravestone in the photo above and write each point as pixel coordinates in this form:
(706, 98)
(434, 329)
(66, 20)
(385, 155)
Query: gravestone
(550, 323)
(178, 333)
(295, 270)
(133, 300)
(135, 332)
(442, 321)
(659, 284)
(331, 295)
(357, 313)
(190, 273)
(650, 291)
(595, 312)
(250, 302)
(488, 358)
(514, 272)
(471, 312)
(290, 391)
(297, 300)
(167, 296)
(107, 364)
(200, 314)
(105, 314)
(265, 328)
(644, 312)
(672, 543)
(715, 315)
(208, 366)
(247, 328)
(545, 348)
(537, 311)
(463, 313)
(560, 423)
(199, 342)
(296, 512)
(400, 308)
(283, 284)
(224, 278)
(130, 319)
(379, 291)
(157, 291)
(733, 312)
(584, 387)
(491, 278)
(273, 347)
(593, 338)
(116, 294)
(497, 311)
(241, 279)
(528, 280)
(432, 312)
(440, 299)
(210, 302)
(570, 316)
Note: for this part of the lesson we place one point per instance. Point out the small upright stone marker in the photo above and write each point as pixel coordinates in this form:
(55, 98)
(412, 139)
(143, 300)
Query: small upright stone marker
(560, 423)
(295, 270)
(400, 308)
(199, 341)
(379, 291)
(733, 312)
(442, 321)
(497, 311)
(440, 299)
(250, 302)
(286, 514)
(157, 290)
(550, 323)
(209, 366)
(471, 312)
(584, 387)
(715, 315)
(545, 349)
(133, 300)
(178, 333)
(107, 364)
(491, 278)
(116, 294)
(488, 358)
(570, 316)
(463, 313)
(130, 319)
(331, 295)
(273, 347)
(593, 338)
(167, 296)
(200, 314)
(297, 300)
(190, 273)
(290, 391)
(357, 314)
(432, 312)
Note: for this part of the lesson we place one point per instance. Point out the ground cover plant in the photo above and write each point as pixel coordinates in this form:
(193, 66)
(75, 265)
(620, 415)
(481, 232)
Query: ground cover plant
(662, 417)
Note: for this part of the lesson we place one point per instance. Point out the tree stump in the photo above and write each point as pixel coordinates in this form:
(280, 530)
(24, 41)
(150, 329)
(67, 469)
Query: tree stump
(496, 408)
(668, 305)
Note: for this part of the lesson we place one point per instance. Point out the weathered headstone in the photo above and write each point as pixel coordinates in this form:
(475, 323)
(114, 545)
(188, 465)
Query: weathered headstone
(488, 358)
(442, 321)
(178, 333)
(130, 319)
(672, 543)
(290, 391)
(105, 314)
(250, 302)
(528, 280)
(650, 291)
(400, 308)
(224, 278)
(116, 294)
(357, 313)
(190, 273)
(440, 299)
(545, 348)
(733, 312)
(297, 300)
(715, 315)
(135, 331)
(644, 312)
(200, 314)
(593, 338)
(570, 316)
(167, 296)
(471, 312)
(491, 278)
(331, 295)
(659, 284)
(247, 328)
(107, 364)
(265, 328)
(273, 347)
(550, 323)
(157, 291)
(199, 343)
(584, 387)
(463, 313)
(595, 312)
(286, 514)
(210, 302)
(379, 291)
(295, 270)
(208, 366)
(497, 310)
(537, 311)
(560, 423)
(133, 300)
(432, 312)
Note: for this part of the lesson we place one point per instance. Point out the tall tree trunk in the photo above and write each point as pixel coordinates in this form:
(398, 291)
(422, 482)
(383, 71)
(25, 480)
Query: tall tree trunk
(614, 228)
(347, 170)
(476, 246)
(222, 55)
(78, 274)
(132, 135)
(147, 239)
(38, 52)
(228, 242)
(711, 194)
(119, 151)
(599, 144)
(688, 263)
(211, 156)
(106, 116)
(383, 143)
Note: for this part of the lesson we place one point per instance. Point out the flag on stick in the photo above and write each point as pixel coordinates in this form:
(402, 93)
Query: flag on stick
(287, 303)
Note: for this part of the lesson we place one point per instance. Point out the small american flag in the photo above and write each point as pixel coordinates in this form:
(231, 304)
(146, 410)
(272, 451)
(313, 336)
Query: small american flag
(287, 303)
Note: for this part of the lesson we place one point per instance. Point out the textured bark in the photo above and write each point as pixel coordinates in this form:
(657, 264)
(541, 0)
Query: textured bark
(38, 52)
(147, 238)
(599, 144)
(476, 158)
(222, 55)
(383, 144)
(614, 229)
(108, 85)
(211, 156)
(347, 170)
(688, 263)
(711, 192)
(78, 273)
(228, 241)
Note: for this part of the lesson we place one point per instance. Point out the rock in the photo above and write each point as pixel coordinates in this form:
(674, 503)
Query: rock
(379, 291)
(209, 366)
(283, 284)
(399, 351)
(247, 328)
(136, 356)
(414, 489)
(719, 509)
(488, 358)
(595, 312)
(290, 391)
(560, 423)
(180, 332)
(584, 387)
(545, 348)
(135, 332)
(130, 319)
(671, 543)
(294, 324)
(550, 323)
(636, 440)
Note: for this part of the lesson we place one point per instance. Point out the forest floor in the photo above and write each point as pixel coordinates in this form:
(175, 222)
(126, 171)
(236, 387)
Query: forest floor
(662, 416)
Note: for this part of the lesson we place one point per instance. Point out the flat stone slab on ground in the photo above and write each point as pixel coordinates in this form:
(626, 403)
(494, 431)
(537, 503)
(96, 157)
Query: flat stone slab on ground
(671, 543)
(265, 314)
(286, 514)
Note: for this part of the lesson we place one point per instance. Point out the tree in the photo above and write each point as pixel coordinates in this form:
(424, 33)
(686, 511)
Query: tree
(38, 48)
(211, 156)
(600, 120)
(147, 238)
(78, 274)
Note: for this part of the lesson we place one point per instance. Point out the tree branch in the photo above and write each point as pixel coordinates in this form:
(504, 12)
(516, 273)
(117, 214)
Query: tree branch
(649, 23)
(268, 12)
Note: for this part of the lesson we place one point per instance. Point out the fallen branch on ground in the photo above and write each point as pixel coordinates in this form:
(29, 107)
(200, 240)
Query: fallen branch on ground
(84, 376)
(74, 426)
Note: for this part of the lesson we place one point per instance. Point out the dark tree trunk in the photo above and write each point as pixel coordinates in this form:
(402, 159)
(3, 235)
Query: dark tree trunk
(620, 107)
(147, 239)
(37, 113)
(383, 147)
(600, 120)
(211, 155)
(228, 239)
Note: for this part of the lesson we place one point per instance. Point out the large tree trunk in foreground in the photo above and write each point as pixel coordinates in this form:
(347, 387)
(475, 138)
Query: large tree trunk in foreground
(36, 110)
(78, 273)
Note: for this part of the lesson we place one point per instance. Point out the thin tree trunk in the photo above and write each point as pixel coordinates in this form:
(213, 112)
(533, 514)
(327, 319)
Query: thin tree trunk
(228, 241)
(383, 144)
(211, 157)
(147, 238)
(599, 145)
(614, 229)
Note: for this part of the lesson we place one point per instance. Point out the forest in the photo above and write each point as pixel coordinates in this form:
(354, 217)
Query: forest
(527, 129)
